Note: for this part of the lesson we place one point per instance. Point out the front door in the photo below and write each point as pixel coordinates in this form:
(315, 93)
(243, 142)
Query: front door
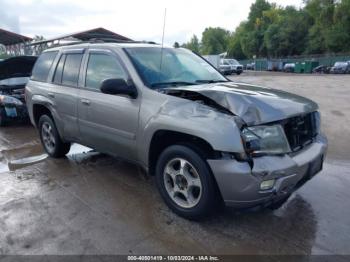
(107, 123)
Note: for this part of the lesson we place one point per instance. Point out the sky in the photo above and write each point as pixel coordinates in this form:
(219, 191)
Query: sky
(136, 19)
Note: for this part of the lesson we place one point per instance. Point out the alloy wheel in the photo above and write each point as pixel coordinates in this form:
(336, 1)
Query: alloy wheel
(182, 183)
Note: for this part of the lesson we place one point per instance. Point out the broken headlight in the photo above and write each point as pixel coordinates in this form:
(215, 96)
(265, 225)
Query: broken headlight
(265, 140)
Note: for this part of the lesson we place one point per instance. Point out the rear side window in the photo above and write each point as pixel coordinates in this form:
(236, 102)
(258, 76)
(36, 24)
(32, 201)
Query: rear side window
(43, 65)
(71, 69)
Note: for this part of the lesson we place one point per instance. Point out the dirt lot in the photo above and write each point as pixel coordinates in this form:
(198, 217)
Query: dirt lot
(90, 203)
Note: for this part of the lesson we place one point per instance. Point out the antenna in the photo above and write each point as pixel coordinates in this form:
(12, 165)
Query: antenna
(161, 52)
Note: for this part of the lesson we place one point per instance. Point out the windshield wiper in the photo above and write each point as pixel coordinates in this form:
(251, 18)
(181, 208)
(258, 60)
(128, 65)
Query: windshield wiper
(210, 81)
(174, 83)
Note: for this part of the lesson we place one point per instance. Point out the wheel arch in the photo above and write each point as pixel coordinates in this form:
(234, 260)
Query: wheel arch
(40, 110)
(162, 139)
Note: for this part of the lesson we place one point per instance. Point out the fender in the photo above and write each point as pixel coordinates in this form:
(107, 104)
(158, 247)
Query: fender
(220, 130)
(49, 104)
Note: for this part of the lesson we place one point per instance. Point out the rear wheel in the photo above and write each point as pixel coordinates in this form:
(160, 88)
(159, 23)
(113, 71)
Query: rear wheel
(50, 138)
(185, 182)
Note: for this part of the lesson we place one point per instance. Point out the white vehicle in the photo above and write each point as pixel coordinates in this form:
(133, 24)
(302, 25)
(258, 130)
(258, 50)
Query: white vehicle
(236, 67)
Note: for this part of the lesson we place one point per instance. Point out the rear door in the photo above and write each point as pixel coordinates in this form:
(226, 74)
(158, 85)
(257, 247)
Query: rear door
(64, 92)
(107, 123)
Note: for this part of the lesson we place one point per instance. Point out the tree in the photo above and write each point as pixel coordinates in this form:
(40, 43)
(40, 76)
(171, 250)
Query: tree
(193, 44)
(273, 31)
(287, 34)
(337, 36)
(176, 45)
(234, 44)
(214, 41)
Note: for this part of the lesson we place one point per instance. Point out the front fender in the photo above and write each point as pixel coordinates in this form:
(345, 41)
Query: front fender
(220, 130)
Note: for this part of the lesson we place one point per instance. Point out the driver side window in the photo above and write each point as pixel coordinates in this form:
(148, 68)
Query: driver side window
(101, 67)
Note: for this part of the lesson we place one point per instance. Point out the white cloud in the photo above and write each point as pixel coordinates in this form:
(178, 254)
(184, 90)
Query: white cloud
(137, 19)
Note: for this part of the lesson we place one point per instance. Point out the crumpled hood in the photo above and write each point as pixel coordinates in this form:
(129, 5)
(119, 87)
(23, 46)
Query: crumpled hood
(254, 104)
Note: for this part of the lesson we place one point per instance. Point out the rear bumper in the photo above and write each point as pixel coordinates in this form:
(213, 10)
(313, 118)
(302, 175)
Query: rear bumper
(239, 184)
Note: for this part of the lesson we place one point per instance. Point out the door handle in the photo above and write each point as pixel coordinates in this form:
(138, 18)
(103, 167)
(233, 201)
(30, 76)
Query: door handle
(85, 102)
(52, 95)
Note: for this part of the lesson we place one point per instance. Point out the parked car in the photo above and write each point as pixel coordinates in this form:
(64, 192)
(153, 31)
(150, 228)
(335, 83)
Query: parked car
(204, 138)
(236, 67)
(340, 68)
(225, 67)
(289, 67)
(14, 75)
(322, 69)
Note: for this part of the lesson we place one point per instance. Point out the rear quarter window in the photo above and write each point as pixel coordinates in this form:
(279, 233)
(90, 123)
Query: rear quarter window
(43, 65)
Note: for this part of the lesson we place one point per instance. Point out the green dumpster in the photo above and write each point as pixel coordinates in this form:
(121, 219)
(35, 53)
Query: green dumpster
(310, 65)
(261, 65)
(299, 67)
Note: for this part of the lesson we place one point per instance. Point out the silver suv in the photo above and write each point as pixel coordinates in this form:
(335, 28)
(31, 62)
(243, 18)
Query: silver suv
(206, 139)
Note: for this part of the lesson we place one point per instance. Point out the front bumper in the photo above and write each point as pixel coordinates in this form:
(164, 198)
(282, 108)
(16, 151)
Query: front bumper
(238, 70)
(239, 184)
(14, 112)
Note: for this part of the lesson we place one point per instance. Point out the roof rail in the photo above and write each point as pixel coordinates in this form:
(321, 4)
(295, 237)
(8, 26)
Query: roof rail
(113, 40)
(105, 40)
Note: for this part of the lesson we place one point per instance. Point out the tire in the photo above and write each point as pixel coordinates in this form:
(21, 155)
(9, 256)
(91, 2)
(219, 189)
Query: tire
(50, 139)
(2, 117)
(238, 73)
(196, 180)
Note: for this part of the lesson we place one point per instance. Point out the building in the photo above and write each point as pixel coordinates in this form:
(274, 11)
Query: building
(96, 33)
(16, 44)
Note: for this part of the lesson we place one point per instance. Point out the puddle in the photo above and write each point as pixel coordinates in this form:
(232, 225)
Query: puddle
(3, 168)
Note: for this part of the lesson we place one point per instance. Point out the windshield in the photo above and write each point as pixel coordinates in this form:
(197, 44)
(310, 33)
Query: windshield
(340, 64)
(173, 67)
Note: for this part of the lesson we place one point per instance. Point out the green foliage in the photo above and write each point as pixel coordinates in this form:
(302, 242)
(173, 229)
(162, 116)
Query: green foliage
(321, 26)
(193, 44)
(214, 40)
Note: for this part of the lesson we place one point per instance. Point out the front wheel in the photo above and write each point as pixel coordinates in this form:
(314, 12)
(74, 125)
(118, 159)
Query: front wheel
(50, 138)
(185, 182)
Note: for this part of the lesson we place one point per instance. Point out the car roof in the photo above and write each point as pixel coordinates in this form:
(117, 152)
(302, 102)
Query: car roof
(106, 45)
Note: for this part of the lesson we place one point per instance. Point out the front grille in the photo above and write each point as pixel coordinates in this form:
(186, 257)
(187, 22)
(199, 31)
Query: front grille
(301, 130)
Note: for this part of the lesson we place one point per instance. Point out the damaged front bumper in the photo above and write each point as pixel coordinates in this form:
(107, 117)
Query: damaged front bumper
(240, 184)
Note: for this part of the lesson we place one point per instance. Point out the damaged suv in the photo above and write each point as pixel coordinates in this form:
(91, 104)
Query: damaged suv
(14, 75)
(206, 139)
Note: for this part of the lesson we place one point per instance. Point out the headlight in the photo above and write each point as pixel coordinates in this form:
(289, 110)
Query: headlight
(265, 140)
(9, 100)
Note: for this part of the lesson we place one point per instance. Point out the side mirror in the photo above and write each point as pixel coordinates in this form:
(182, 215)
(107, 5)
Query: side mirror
(118, 86)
